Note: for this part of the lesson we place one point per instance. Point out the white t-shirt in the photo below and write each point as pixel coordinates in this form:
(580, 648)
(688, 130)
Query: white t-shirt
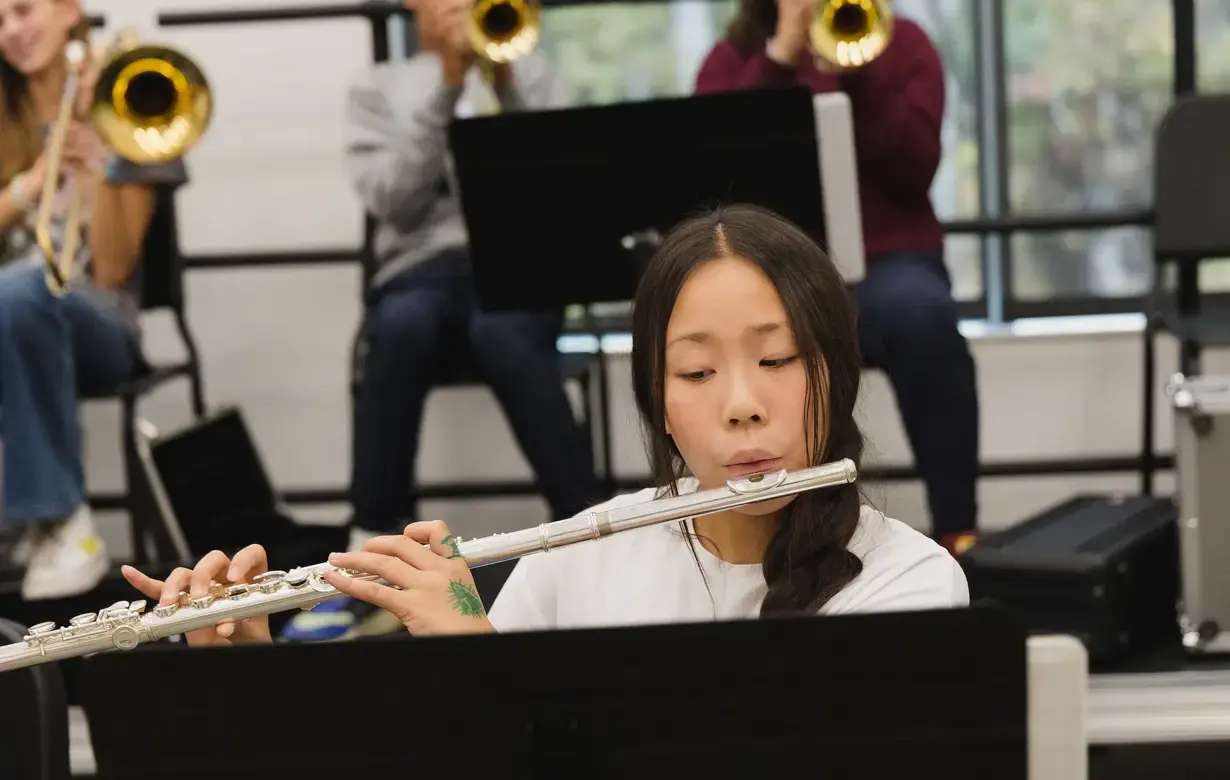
(649, 575)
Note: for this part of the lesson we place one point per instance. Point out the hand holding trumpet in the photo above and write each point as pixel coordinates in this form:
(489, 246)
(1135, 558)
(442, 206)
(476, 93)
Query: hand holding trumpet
(839, 35)
(790, 39)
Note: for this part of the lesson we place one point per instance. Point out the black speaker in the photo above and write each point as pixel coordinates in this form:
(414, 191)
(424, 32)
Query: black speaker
(221, 494)
(1102, 568)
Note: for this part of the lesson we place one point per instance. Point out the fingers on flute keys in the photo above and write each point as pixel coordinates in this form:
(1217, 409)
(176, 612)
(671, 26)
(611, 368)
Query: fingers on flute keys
(215, 567)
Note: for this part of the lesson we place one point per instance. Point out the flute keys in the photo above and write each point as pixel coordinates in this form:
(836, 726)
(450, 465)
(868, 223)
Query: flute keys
(268, 582)
(237, 591)
(137, 607)
(83, 619)
(165, 610)
(125, 638)
(43, 628)
(201, 602)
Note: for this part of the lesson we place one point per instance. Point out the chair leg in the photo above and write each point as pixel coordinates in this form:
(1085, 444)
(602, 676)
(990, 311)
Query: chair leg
(151, 519)
(584, 385)
(604, 424)
(587, 421)
(133, 502)
(194, 374)
(1147, 412)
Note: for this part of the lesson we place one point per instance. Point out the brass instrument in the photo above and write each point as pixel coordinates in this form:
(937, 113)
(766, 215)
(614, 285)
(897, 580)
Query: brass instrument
(125, 625)
(503, 30)
(851, 33)
(150, 104)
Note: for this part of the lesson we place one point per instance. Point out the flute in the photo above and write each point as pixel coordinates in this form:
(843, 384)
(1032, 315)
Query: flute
(124, 625)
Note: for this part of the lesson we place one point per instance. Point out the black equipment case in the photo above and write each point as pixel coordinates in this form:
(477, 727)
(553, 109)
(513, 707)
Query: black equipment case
(1101, 568)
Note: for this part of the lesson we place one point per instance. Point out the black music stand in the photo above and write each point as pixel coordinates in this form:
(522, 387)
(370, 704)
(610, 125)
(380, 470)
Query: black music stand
(551, 198)
(856, 697)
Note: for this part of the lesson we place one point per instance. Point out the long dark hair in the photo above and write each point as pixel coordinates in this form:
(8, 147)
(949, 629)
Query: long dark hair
(752, 25)
(807, 561)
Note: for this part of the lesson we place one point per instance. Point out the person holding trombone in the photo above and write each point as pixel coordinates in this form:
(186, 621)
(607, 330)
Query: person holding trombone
(56, 343)
(422, 313)
(908, 321)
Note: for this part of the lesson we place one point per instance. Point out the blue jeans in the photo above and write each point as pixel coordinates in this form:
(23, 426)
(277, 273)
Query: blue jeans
(50, 350)
(425, 326)
(908, 329)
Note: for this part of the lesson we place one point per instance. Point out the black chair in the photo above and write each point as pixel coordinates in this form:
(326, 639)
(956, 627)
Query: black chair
(33, 718)
(162, 289)
(1190, 225)
(578, 367)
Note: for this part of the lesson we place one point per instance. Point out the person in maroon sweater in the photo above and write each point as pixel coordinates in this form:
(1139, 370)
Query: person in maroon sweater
(907, 316)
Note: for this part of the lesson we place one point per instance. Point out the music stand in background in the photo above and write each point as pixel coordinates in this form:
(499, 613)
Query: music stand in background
(857, 697)
(563, 207)
(553, 199)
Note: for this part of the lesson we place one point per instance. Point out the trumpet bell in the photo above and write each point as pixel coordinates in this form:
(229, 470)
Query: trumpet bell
(151, 103)
(851, 33)
(504, 30)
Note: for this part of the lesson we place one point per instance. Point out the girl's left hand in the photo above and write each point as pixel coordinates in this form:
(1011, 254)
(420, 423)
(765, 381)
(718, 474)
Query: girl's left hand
(437, 593)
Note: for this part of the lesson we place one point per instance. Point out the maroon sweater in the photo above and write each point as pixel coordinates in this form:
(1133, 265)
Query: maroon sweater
(897, 105)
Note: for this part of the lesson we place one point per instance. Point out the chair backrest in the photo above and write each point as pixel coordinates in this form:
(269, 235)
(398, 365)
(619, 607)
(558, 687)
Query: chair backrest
(1191, 170)
(162, 265)
(33, 718)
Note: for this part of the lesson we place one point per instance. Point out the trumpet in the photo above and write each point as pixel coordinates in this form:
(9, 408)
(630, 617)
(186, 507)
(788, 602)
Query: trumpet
(851, 33)
(150, 104)
(125, 625)
(503, 30)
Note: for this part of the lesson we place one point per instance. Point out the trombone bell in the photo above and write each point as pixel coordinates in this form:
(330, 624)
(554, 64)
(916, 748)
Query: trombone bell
(503, 30)
(151, 103)
(851, 33)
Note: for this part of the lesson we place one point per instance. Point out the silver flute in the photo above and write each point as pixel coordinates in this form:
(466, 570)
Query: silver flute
(125, 625)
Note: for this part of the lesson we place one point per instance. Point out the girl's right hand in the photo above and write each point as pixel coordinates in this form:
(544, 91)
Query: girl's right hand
(213, 568)
(791, 37)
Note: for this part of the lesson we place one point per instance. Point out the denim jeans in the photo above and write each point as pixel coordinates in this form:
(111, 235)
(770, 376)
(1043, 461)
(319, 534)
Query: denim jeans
(420, 327)
(908, 328)
(50, 349)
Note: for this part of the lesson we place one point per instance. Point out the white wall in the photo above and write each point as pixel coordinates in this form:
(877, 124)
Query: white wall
(275, 341)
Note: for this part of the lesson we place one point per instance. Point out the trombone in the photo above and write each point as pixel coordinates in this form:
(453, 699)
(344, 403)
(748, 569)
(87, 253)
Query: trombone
(503, 30)
(150, 104)
(851, 33)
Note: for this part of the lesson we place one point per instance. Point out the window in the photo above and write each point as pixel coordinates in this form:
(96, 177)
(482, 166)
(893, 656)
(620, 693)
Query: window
(1213, 75)
(614, 52)
(1086, 84)
(955, 192)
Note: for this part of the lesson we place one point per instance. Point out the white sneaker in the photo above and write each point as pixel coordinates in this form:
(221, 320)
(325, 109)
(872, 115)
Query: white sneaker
(359, 537)
(68, 561)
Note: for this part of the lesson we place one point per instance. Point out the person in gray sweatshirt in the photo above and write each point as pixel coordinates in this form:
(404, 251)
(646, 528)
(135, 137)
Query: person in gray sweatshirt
(422, 312)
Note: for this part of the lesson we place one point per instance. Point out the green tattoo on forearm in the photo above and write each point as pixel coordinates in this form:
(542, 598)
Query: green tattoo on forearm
(453, 543)
(465, 599)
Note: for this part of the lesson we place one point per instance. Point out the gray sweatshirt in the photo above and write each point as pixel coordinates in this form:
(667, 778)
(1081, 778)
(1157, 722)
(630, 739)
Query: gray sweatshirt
(397, 117)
